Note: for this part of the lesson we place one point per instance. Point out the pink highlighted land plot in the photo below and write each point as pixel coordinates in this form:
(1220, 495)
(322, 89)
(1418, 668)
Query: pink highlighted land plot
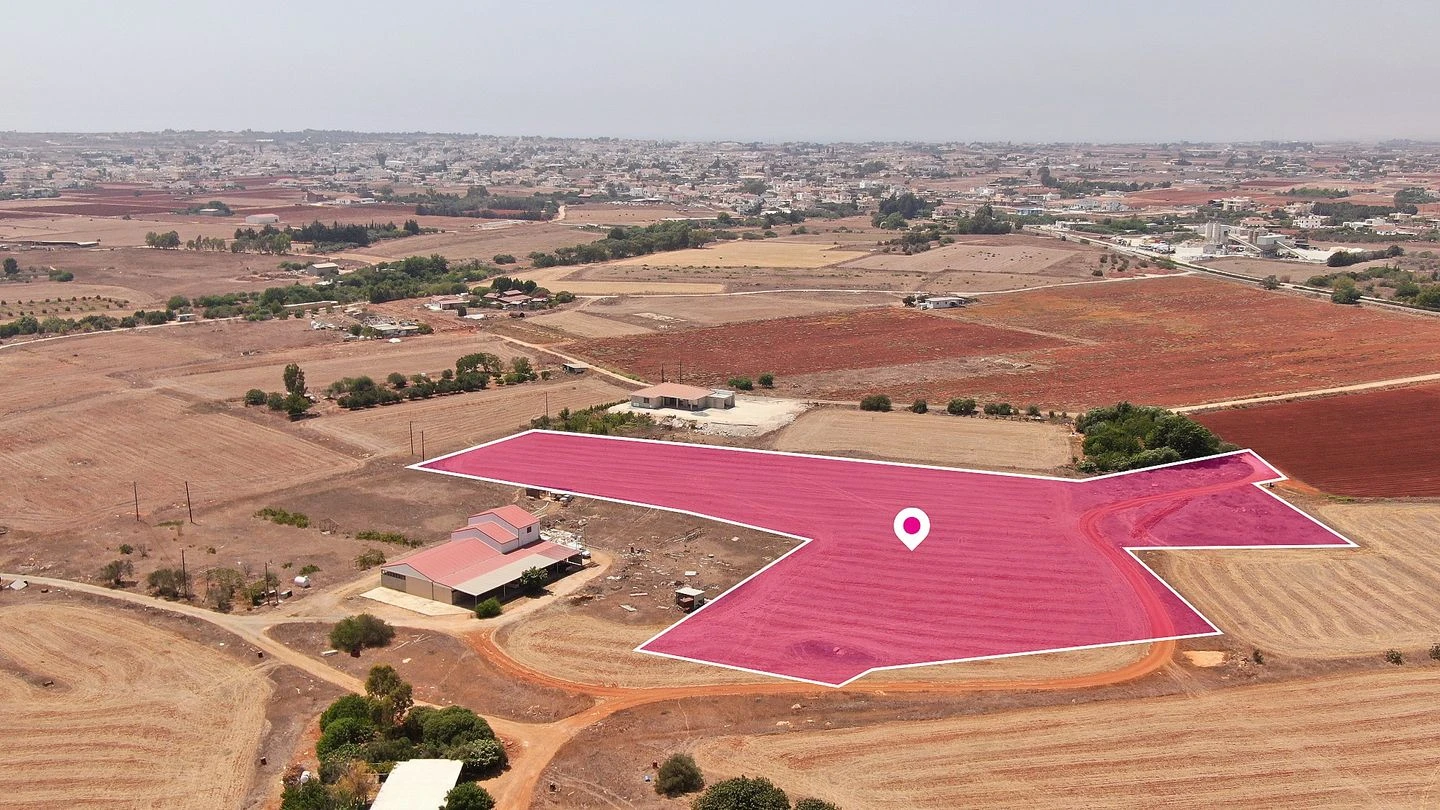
(1012, 564)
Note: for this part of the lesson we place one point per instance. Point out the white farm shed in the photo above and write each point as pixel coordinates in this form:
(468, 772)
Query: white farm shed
(418, 784)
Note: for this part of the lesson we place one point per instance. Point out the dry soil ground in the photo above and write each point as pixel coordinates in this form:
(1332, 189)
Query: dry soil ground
(932, 438)
(134, 716)
(1349, 741)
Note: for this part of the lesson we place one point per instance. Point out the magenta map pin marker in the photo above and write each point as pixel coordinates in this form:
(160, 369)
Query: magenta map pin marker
(912, 526)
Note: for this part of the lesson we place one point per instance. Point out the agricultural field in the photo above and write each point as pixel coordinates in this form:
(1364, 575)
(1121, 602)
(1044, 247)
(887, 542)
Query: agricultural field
(63, 300)
(474, 238)
(1365, 444)
(585, 325)
(864, 338)
(1298, 744)
(135, 715)
(1326, 604)
(767, 253)
(602, 214)
(650, 313)
(987, 264)
(147, 277)
(934, 438)
(113, 231)
(1126, 341)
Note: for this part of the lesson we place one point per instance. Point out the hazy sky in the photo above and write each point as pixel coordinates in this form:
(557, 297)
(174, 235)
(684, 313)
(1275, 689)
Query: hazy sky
(795, 70)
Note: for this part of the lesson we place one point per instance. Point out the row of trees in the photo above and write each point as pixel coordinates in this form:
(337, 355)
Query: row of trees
(1130, 437)
(55, 325)
(472, 372)
(596, 420)
(624, 242)
(679, 775)
(295, 401)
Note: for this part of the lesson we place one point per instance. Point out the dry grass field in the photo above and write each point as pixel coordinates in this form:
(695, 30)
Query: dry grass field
(668, 312)
(1362, 740)
(983, 264)
(585, 325)
(770, 253)
(455, 422)
(930, 439)
(1326, 604)
(602, 214)
(152, 276)
(73, 463)
(481, 239)
(136, 717)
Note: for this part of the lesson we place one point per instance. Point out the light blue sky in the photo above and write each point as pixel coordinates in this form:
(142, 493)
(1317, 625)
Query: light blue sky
(793, 70)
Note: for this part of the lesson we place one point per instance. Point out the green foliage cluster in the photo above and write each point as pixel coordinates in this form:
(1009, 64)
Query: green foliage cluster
(488, 608)
(1349, 212)
(354, 633)
(468, 796)
(165, 241)
(167, 583)
(268, 239)
(114, 573)
(394, 538)
(597, 420)
(678, 775)
(220, 208)
(61, 275)
(533, 580)
(335, 236)
(742, 793)
(369, 558)
(999, 409)
(919, 406)
(623, 242)
(479, 202)
(1345, 258)
(1314, 192)
(1079, 188)
(741, 383)
(1406, 199)
(875, 402)
(275, 515)
(766, 380)
(960, 407)
(1129, 437)
(54, 325)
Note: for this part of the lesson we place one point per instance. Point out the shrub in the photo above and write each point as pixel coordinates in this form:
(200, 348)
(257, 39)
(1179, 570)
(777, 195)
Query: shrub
(354, 633)
(482, 758)
(1435, 652)
(919, 406)
(743, 793)
(767, 380)
(488, 609)
(370, 558)
(126, 548)
(1346, 295)
(307, 570)
(815, 804)
(386, 537)
(1258, 657)
(452, 726)
(1394, 657)
(999, 409)
(1032, 410)
(166, 582)
(961, 407)
(741, 384)
(297, 519)
(275, 401)
(114, 572)
(533, 580)
(875, 402)
(503, 258)
(344, 731)
(678, 774)
(468, 796)
(356, 706)
(254, 397)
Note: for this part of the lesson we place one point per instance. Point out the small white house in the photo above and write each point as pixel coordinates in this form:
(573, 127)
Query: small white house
(262, 219)
(943, 302)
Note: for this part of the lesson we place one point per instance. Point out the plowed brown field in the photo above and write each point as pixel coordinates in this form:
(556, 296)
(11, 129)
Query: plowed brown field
(1375, 443)
(861, 339)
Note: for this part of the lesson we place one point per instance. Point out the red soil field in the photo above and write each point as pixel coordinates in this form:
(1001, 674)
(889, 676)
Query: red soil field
(1371, 444)
(866, 338)
(1181, 341)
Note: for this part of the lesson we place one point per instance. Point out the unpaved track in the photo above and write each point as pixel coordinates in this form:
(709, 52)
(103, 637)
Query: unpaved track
(537, 744)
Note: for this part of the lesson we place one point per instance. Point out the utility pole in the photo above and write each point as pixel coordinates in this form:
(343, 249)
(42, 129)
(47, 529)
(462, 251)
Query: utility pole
(422, 444)
(266, 582)
(184, 578)
(135, 488)
(412, 437)
(188, 507)
(547, 404)
(680, 375)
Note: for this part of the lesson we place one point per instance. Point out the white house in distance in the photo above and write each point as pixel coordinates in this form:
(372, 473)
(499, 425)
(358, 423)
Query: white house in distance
(681, 397)
(484, 558)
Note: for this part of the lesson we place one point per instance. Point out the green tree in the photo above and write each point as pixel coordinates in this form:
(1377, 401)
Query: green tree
(678, 774)
(742, 793)
(453, 725)
(168, 583)
(294, 379)
(468, 796)
(254, 397)
(741, 384)
(1347, 294)
(352, 705)
(488, 609)
(397, 380)
(961, 407)
(919, 406)
(11, 266)
(388, 692)
(114, 572)
(344, 731)
(482, 758)
(875, 402)
(815, 804)
(1270, 283)
(354, 633)
(766, 380)
(533, 580)
(177, 302)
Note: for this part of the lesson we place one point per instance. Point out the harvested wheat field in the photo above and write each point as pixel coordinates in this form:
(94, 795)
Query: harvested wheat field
(1366, 740)
(460, 421)
(1175, 341)
(585, 325)
(74, 463)
(1326, 604)
(992, 263)
(136, 716)
(1370, 443)
(482, 239)
(671, 311)
(941, 439)
(866, 338)
(744, 253)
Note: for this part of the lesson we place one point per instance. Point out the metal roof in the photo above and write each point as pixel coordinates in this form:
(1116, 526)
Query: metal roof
(418, 784)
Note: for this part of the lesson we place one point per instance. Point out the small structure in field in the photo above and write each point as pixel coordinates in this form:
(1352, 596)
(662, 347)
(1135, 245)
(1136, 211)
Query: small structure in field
(681, 397)
(418, 784)
(688, 599)
(943, 302)
(575, 368)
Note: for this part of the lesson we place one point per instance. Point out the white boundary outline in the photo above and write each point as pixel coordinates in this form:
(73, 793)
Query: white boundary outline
(803, 541)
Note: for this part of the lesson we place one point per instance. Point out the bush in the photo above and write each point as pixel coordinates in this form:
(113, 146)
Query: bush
(1346, 295)
(344, 731)
(1032, 410)
(468, 796)
(503, 258)
(275, 401)
(999, 409)
(254, 397)
(297, 519)
(1435, 652)
(743, 793)
(370, 558)
(767, 380)
(166, 582)
(875, 402)
(678, 774)
(114, 572)
(394, 538)
(533, 580)
(482, 758)
(815, 804)
(741, 384)
(354, 633)
(919, 406)
(488, 609)
(961, 407)
(353, 706)
(1394, 657)
(452, 726)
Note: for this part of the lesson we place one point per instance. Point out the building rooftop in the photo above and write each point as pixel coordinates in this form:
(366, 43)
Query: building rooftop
(474, 567)
(672, 390)
(418, 784)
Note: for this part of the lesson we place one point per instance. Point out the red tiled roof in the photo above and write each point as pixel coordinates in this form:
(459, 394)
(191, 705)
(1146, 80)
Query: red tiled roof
(514, 515)
(451, 564)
